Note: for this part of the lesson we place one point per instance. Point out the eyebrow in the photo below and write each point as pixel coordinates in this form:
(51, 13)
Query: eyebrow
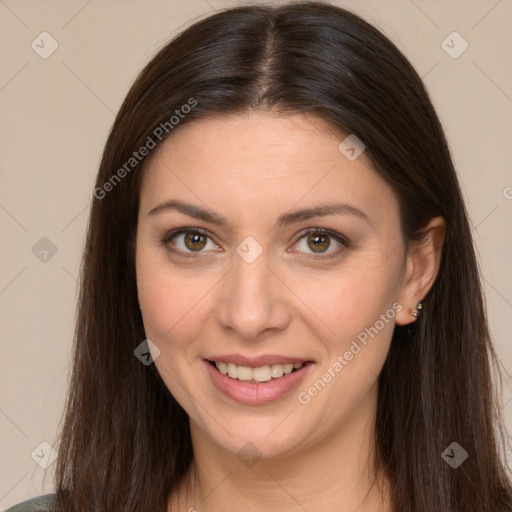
(321, 210)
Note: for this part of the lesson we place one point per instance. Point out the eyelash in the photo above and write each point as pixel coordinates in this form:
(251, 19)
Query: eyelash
(317, 231)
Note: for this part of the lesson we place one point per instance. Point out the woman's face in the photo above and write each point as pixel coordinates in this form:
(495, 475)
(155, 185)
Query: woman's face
(262, 285)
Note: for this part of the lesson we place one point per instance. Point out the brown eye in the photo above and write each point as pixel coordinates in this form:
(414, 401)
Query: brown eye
(318, 242)
(194, 241)
(321, 244)
(188, 242)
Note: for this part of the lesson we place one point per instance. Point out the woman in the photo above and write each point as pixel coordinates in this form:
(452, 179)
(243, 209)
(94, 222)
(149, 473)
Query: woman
(280, 304)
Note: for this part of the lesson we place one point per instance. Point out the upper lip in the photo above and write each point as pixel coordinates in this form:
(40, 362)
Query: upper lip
(254, 362)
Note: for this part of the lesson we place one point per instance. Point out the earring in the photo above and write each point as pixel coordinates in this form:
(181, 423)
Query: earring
(416, 311)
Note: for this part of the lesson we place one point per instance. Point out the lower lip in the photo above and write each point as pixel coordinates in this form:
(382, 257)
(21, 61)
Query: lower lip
(249, 393)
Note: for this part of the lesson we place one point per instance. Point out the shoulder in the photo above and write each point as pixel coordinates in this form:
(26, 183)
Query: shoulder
(37, 504)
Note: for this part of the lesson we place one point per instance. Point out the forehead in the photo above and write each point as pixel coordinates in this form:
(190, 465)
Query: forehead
(261, 141)
(261, 160)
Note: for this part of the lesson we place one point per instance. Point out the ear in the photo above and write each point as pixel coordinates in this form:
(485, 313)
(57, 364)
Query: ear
(422, 266)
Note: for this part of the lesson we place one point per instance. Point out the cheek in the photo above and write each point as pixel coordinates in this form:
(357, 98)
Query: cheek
(172, 302)
(353, 299)
(359, 307)
(158, 296)
(361, 319)
(166, 309)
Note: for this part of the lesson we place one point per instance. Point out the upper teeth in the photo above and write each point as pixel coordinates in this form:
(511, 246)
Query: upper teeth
(260, 374)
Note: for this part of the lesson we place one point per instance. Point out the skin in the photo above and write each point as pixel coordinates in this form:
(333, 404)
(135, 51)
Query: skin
(251, 169)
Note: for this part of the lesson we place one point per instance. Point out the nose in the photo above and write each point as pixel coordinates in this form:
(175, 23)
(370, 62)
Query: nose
(252, 299)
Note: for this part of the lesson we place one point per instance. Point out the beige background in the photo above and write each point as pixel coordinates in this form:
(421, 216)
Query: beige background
(56, 113)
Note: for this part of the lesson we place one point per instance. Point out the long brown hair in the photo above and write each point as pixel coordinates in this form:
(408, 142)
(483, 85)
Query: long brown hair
(125, 441)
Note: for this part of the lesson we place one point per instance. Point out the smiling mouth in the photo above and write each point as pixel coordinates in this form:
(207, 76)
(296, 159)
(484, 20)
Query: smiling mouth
(259, 374)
